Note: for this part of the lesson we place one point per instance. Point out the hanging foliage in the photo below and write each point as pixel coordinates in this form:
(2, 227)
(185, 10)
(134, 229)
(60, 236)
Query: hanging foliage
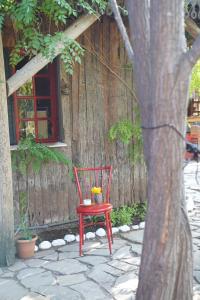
(129, 133)
(29, 19)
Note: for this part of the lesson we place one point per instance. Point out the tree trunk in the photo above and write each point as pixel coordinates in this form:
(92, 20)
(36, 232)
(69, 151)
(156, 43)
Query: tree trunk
(162, 80)
(7, 252)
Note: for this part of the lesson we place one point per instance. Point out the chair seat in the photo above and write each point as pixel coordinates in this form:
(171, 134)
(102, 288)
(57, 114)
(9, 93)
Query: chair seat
(94, 208)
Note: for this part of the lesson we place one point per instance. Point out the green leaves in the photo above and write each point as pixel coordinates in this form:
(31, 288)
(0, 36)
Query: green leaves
(57, 10)
(30, 154)
(125, 215)
(1, 21)
(25, 13)
(72, 52)
(37, 25)
(122, 130)
(195, 79)
(130, 134)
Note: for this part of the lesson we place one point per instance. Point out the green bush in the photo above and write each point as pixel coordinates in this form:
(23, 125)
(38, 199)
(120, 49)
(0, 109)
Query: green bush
(126, 214)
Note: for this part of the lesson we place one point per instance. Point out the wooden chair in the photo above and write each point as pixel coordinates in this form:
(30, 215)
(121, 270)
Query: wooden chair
(86, 179)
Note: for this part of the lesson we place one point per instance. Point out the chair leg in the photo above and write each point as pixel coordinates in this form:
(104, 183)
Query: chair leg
(83, 229)
(110, 228)
(80, 234)
(108, 231)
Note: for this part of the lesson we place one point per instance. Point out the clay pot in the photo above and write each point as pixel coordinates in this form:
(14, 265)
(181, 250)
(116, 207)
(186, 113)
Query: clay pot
(25, 248)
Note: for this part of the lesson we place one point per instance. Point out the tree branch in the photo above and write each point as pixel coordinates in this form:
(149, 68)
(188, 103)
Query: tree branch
(39, 61)
(192, 28)
(122, 29)
(189, 58)
(193, 54)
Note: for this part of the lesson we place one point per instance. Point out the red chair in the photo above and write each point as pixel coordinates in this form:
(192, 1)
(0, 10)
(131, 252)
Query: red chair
(86, 179)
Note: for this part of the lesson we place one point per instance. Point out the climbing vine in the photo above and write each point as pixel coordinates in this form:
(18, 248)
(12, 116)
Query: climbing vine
(38, 24)
(129, 133)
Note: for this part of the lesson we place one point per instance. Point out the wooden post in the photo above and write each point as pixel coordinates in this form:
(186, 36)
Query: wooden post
(6, 194)
(39, 61)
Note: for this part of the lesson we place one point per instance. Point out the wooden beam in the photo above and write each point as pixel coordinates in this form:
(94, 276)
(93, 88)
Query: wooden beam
(192, 28)
(39, 61)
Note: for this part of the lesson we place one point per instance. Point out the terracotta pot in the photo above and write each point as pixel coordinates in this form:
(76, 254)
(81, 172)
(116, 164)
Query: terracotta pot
(25, 248)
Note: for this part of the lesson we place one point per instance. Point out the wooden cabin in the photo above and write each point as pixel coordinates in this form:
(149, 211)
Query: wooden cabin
(74, 114)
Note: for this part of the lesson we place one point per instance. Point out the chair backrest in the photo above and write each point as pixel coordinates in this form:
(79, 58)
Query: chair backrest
(87, 178)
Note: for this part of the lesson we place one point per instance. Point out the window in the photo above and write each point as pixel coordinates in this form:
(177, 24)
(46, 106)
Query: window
(35, 106)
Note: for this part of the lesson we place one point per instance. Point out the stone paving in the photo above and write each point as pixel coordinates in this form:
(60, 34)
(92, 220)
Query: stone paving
(60, 274)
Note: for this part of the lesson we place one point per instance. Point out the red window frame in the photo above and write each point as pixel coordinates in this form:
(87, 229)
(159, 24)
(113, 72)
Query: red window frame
(51, 75)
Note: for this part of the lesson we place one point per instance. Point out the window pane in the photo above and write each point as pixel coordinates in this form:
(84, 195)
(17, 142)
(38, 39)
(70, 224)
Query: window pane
(26, 128)
(44, 129)
(43, 108)
(45, 70)
(42, 86)
(26, 108)
(26, 89)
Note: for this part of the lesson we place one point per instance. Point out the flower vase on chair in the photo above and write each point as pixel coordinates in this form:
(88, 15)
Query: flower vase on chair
(97, 192)
(98, 198)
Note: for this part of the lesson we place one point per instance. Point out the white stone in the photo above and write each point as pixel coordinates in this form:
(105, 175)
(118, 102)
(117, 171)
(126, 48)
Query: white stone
(45, 245)
(58, 242)
(101, 232)
(78, 237)
(190, 204)
(69, 238)
(90, 235)
(135, 227)
(124, 228)
(115, 230)
(142, 225)
(36, 248)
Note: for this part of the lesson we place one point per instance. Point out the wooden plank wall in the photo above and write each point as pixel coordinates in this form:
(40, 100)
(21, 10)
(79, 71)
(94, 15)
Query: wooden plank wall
(96, 96)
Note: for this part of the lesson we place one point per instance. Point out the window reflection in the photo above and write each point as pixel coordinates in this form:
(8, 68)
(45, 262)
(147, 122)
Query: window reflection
(26, 128)
(44, 129)
(42, 86)
(26, 108)
(26, 89)
(43, 108)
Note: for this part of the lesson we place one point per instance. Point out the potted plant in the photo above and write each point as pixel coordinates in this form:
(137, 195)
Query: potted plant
(28, 156)
(97, 192)
(25, 244)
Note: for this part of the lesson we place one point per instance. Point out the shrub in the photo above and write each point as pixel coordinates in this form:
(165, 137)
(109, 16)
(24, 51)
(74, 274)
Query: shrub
(126, 214)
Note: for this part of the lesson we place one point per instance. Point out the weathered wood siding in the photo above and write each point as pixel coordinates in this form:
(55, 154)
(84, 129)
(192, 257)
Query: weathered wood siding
(96, 96)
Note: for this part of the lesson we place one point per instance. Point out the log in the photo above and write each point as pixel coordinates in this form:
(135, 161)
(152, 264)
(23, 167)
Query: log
(39, 61)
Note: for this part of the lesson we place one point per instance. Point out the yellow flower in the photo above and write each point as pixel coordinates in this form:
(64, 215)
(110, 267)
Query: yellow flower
(96, 190)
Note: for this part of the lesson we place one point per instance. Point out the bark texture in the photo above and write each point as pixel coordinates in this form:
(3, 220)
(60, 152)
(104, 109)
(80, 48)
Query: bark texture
(6, 195)
(162, 76)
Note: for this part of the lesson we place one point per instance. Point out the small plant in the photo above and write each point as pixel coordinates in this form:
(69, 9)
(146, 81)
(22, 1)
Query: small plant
(31, 156)
(125, 215)
(121, 216)
(23, 213)
(139, 210)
